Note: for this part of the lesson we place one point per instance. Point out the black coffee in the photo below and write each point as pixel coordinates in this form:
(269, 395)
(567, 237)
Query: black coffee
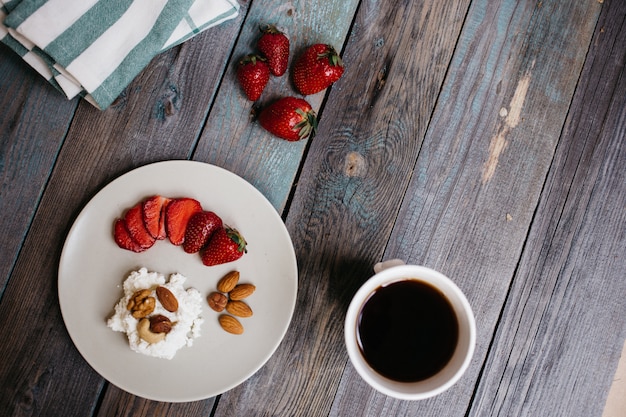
(407, 330)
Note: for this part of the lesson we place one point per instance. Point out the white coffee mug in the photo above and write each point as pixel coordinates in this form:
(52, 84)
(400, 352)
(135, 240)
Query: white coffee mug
(395, 271)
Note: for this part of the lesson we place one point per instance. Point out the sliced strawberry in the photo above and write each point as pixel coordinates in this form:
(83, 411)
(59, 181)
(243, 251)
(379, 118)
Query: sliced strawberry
(177, 215)
(123, 238)
(136, 227)
(199, 229)
(154, 216)
(226, 245)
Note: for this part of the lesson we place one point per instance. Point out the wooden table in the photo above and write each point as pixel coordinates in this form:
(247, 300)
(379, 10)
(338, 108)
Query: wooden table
(484, 139)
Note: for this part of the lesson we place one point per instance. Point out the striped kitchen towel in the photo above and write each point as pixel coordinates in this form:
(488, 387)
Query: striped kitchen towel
(94, 48)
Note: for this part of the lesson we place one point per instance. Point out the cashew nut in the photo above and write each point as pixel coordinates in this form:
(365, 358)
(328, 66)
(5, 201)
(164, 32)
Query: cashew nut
(143, 329)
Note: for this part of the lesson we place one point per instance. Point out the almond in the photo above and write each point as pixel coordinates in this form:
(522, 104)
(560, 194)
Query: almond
(239, 308)
(241, 291)
(230, 324)
(228, 282)
(167, 299)
(217, 301)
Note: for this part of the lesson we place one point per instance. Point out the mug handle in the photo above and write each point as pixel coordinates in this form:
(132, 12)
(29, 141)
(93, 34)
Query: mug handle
(381, 266)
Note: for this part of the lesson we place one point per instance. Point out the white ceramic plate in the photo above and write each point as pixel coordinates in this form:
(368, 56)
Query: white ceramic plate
(92, 269)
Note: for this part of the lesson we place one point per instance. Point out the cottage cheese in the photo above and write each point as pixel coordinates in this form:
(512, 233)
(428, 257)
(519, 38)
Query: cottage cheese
(187, 319)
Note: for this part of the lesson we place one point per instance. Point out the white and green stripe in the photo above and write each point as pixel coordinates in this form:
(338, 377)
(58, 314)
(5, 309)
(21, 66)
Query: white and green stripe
(94, 48)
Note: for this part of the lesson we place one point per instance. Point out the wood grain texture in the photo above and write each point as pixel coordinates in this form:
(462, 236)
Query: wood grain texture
(120, 403)
(40, 365)
(33, 124)
(232, 139)
(482, 138)
(340, 220)
(563, 324)
(480, 170)
(158, 117)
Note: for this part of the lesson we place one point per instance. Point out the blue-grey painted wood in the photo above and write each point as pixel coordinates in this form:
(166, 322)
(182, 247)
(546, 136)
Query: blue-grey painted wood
(158, 117)
(561, 332)
(481, 169)
(456, 138)
(231, 139)
(352, 182)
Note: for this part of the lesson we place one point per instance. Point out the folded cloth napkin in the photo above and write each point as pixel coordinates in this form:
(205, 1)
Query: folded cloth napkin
(94, 48)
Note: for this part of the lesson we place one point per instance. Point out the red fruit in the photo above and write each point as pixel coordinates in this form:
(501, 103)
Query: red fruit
(154, 216)
(317, 68)
(137, 228)
(177, 215)
(123, 238)
(274, 45)
(199, 229)
(289, 118)
(253, 74)
(226, 245)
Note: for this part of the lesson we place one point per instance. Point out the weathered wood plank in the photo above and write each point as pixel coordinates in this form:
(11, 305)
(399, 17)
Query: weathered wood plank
(481, 168)
(33, 124)
(563, 326)
(344, 206)
(158, 117)
(357, 173)
(270, 164)
(120, 403)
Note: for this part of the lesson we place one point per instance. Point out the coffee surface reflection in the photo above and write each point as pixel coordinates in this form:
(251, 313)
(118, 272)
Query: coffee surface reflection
(407, 330)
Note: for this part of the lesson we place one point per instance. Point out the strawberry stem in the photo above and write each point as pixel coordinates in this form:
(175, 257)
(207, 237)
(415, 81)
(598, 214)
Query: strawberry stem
(267, 28)
(238, 239)
(252, 58)
(333, 57)
(308, 124)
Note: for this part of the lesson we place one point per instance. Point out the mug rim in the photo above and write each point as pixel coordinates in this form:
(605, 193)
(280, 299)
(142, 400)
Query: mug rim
(442, 380)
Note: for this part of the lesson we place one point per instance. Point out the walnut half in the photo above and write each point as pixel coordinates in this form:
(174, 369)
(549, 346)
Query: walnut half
(141, 304)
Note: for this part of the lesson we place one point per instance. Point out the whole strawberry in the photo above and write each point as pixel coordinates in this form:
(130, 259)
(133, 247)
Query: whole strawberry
(253, 74)
(317, 68)
(289, 118)
(274, 45)
(226, 245)
(199, 230)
